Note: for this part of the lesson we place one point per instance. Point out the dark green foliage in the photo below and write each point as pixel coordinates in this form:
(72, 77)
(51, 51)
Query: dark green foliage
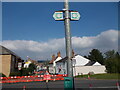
(112, 61)
(110, 54)
(28, 71)
(24, 72)
(2, 75)
(15, 74)
(31, 68)
(96, 55)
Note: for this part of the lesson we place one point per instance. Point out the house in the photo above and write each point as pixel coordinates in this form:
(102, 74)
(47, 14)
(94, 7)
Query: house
(9, 61)
(52, 64)
(26, 65)
(81, 65)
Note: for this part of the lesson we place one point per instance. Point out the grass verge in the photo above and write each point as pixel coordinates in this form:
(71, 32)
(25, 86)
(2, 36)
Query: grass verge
(101, 76)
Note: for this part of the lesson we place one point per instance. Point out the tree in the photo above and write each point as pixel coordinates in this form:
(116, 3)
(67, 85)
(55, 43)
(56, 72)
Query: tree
(96, 55)
(110, 54)
(112, 61)
(31, 68)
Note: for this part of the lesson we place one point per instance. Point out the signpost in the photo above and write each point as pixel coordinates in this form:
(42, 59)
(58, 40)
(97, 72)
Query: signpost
(58, 15)
(19, 66)
(66, 15)
(75, 15)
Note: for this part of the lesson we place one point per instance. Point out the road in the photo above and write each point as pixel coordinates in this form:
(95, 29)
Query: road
(79, 85)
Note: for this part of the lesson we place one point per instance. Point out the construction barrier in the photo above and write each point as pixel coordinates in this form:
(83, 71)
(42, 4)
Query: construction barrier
(15, 79)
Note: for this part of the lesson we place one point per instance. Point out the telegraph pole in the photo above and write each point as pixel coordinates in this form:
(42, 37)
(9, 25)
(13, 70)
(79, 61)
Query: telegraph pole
(67, 15)
(68, 39)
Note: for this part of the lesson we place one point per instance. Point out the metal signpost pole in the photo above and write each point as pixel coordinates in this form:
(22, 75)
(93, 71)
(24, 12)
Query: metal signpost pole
(68, 40)
(68, 45)
(66, 15)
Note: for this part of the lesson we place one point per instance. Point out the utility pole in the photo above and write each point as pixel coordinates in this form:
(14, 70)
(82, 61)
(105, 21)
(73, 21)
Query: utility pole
(67, 15)
(68, 39)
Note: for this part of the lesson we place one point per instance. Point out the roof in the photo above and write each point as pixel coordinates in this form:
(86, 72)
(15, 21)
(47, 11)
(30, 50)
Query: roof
(51, 62)
(63, 59)
(55, 59)
(96, 63)
(90, 63)
(5, 51)
(81, 61)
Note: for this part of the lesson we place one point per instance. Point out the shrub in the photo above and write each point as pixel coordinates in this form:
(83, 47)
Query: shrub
(2, 75)
(15, 74)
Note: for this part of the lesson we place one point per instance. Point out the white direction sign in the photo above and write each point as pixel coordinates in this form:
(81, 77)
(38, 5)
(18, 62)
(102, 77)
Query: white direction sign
(58, 15)
(75, 15)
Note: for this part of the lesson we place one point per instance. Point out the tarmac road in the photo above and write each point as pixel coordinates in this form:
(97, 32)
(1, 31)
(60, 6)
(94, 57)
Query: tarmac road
(55, 85)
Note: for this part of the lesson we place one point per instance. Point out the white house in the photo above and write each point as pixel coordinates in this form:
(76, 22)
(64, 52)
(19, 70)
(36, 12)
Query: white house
(52, 64)
(81, 65)
(26, 65)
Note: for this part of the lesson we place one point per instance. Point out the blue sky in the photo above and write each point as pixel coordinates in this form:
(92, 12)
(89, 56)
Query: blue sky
(34, 21)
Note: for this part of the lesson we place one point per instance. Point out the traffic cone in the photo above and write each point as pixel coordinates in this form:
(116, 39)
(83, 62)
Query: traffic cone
(24, 87)
(90, 85)
(46, 81)
(88, 77)
(117, 84)
(47, 77)
(54, 79)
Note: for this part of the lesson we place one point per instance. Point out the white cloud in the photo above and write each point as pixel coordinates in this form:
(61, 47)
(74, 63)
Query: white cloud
(106, 40)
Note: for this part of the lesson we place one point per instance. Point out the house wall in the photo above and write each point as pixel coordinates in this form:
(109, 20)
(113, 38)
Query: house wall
(61, 65)
(86, 69)
(51, 70)
(6, 64)
(77, 70)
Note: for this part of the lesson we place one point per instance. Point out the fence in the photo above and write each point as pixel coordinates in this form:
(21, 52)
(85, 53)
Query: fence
(15, 79)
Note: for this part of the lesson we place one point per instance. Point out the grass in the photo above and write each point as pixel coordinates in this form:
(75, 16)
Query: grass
(101, 76)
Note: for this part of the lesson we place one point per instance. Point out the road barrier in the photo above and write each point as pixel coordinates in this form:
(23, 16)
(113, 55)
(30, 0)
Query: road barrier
(15, 79)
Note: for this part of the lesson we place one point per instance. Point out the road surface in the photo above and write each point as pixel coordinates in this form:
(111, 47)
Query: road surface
(55, 85)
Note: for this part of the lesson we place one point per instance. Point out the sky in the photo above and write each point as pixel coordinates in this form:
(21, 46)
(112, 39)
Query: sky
(29, 29)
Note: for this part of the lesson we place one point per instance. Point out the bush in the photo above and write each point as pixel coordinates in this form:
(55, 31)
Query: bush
(15, 74)
(2, 75)
(24, 72)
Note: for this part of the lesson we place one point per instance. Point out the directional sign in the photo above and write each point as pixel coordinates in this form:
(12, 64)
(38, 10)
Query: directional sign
(58, 15)
(74, 15)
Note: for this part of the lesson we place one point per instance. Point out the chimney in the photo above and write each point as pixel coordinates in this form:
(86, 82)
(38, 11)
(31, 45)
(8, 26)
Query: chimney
(73, 53)
(53, 56)
(59, 54)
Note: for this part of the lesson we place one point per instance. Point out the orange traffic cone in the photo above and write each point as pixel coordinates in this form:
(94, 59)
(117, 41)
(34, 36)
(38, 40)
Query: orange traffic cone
(47, 76)
(24, 87)
(90, 85)
(117, 84)
(88, 77)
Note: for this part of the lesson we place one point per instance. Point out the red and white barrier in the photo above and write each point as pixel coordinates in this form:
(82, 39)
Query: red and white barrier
(46, 78)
